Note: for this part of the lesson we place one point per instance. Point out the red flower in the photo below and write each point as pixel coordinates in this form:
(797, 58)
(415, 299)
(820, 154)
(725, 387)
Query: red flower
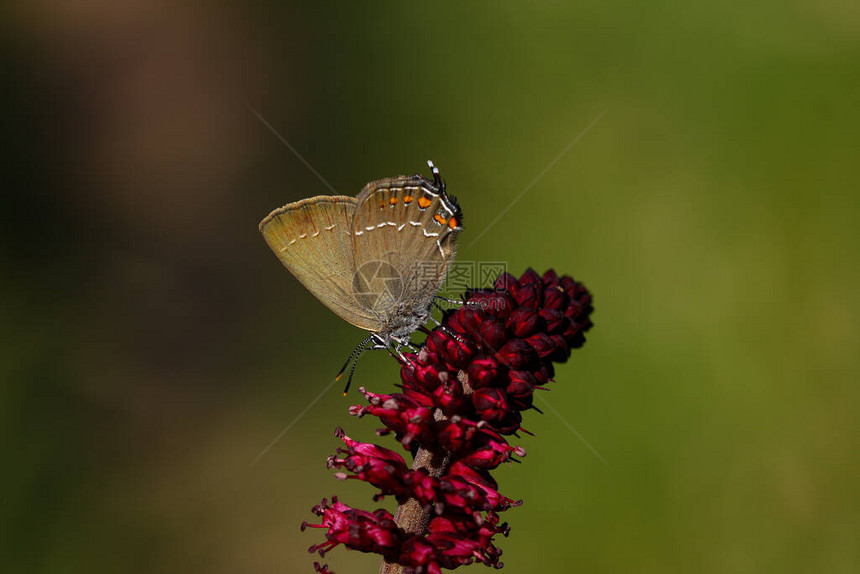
(356, 529)
(462, 392)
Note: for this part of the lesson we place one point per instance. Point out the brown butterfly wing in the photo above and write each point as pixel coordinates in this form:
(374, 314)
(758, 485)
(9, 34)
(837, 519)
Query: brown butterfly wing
(313, 239)
(407, 225)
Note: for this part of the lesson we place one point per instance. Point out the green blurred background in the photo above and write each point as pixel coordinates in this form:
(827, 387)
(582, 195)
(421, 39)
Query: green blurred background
(152, 346)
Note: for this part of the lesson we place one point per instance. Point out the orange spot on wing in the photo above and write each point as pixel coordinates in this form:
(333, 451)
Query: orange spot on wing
(424, 202)
(407, 199)
(452, 223)
(441, 220)
(392, 201)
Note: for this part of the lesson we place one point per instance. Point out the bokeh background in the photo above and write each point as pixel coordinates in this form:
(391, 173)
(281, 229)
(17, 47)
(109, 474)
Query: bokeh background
(152, 346)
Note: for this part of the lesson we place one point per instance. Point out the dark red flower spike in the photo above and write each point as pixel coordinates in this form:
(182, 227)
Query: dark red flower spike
(462, 393)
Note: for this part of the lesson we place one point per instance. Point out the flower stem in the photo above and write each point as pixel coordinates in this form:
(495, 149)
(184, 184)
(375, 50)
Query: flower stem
(412, 517)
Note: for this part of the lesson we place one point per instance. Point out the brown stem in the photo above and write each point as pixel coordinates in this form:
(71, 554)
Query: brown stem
(412, 517)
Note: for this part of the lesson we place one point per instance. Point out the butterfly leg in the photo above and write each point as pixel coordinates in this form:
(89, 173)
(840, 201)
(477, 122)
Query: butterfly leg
(452, 301)
(461, 302)
(444, 328)
(400, 343)
(458, 302)
(378, 343)
(393, 349)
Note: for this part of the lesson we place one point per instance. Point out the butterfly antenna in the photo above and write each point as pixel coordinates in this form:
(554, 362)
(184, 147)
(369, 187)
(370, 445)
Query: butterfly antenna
(437, 178)
(357, 351)
(347, 362)
(351, 373)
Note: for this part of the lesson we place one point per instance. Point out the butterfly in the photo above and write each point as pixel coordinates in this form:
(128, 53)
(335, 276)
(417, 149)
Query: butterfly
(378, 259)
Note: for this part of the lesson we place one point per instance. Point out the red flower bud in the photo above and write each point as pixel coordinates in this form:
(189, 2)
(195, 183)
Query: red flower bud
(529, 295)
(483, 372)
(562, 349)
(511, 420)
(466, 321)
(544, 374)
(543, 345)
(524, 322)
(491, 454)
(491, 403)
(555, 298)
(516, 354)
(493, 335)
(449, 396)
(530, 278)
(555, 320)
(493, 304)
(457, 434)
(506, 282)
(522, 384)
(550, 277)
